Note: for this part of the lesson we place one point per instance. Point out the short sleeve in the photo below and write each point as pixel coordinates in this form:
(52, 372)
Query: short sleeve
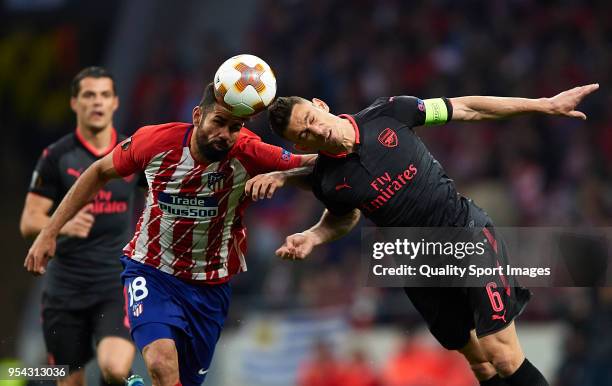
(261, 157)
(130, 155)
(46, 178)
(413, 111)
(336, 208)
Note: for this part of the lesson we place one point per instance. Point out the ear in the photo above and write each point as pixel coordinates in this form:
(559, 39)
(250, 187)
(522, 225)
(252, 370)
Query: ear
(116, 104)
(320, 104)
(197, 116)
(73, 102)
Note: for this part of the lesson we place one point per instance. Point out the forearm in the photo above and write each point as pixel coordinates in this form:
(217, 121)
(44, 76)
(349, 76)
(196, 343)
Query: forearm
(472, 108)
(330, 227)
(32, 223)
(299, 177)
(31, 226)
(79, 195)
(309, 160)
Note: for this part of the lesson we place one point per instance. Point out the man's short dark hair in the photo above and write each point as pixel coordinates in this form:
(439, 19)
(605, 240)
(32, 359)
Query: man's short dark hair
(89, 72)
(208, 98)
(279, 113)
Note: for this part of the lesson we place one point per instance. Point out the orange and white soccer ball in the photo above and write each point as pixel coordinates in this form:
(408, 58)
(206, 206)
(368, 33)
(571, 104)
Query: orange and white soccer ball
(245, 84)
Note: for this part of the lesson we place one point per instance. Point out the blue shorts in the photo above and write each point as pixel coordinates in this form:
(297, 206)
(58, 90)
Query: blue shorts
(161, 306)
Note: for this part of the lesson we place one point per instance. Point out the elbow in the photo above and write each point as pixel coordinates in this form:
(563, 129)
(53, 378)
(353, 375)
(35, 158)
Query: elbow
(27, 231)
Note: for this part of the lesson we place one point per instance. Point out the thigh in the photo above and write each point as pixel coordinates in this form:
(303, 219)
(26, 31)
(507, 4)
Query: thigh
(68, 337)
(151, 299)
(205, 308)
(161, 306)
(447, 313)
(500, 299)
(76, 378)
(178, 350)
(109, 318)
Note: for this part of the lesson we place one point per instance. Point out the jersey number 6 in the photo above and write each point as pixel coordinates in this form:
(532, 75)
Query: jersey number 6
(494, 297)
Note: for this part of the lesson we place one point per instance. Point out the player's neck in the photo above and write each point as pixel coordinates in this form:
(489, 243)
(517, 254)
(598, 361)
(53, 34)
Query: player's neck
(98, 139)
(195, 151)
(196, 155)
(347, 144)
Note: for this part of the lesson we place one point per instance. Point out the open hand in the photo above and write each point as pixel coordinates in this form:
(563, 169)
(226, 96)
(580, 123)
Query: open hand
(565, 103)
(296, 246)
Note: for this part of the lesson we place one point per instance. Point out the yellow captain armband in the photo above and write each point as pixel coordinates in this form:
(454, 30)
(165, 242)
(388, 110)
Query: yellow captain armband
(436, 111)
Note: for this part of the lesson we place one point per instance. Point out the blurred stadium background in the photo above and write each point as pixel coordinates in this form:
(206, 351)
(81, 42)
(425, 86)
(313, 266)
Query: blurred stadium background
(292, 321)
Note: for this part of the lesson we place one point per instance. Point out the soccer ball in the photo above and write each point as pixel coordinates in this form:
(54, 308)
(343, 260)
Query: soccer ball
(245, 85)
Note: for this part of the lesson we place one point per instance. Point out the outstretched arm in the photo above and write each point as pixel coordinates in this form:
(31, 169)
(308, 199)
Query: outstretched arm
(79, 195)
(329, 228)
(264, 185)
(474, 108)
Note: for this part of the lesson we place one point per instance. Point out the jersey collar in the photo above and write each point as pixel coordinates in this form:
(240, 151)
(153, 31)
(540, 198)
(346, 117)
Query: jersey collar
(357, 139)
(92, 149)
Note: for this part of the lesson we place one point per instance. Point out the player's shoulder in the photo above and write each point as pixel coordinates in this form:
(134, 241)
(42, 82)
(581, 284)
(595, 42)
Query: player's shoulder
(247, 135)
(246, 139)
(60, 147)
(381, 106)
(389, 105)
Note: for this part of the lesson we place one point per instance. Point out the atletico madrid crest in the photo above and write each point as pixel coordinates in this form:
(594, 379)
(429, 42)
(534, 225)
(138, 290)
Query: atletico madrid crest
(215, 181)
(137, 310)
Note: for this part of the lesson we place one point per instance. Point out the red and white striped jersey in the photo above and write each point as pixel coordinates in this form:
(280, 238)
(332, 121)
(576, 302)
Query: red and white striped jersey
(192, 224)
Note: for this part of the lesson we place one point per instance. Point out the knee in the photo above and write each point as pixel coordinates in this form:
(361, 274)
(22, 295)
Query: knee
(483, 370)
(114, 371)
(76, 378)
(161, 363)
(504, 359)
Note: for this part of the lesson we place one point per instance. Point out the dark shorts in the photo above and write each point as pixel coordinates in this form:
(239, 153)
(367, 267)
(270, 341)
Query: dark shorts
(452, 312)
(72, 334)
(161, 306)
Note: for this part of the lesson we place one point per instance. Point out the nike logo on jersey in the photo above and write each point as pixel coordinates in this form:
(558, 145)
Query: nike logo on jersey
(202, 371)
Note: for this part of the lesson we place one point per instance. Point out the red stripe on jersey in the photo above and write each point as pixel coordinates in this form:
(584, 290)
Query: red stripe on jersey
(240, 235)
(215, 230)
(126, 319)
(166, 170)
(182, 236)
(129, 249)
(153, 255)
(490, 238)
(239, 245)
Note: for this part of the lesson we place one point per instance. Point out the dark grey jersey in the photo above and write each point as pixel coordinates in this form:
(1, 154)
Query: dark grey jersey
(84, 270)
